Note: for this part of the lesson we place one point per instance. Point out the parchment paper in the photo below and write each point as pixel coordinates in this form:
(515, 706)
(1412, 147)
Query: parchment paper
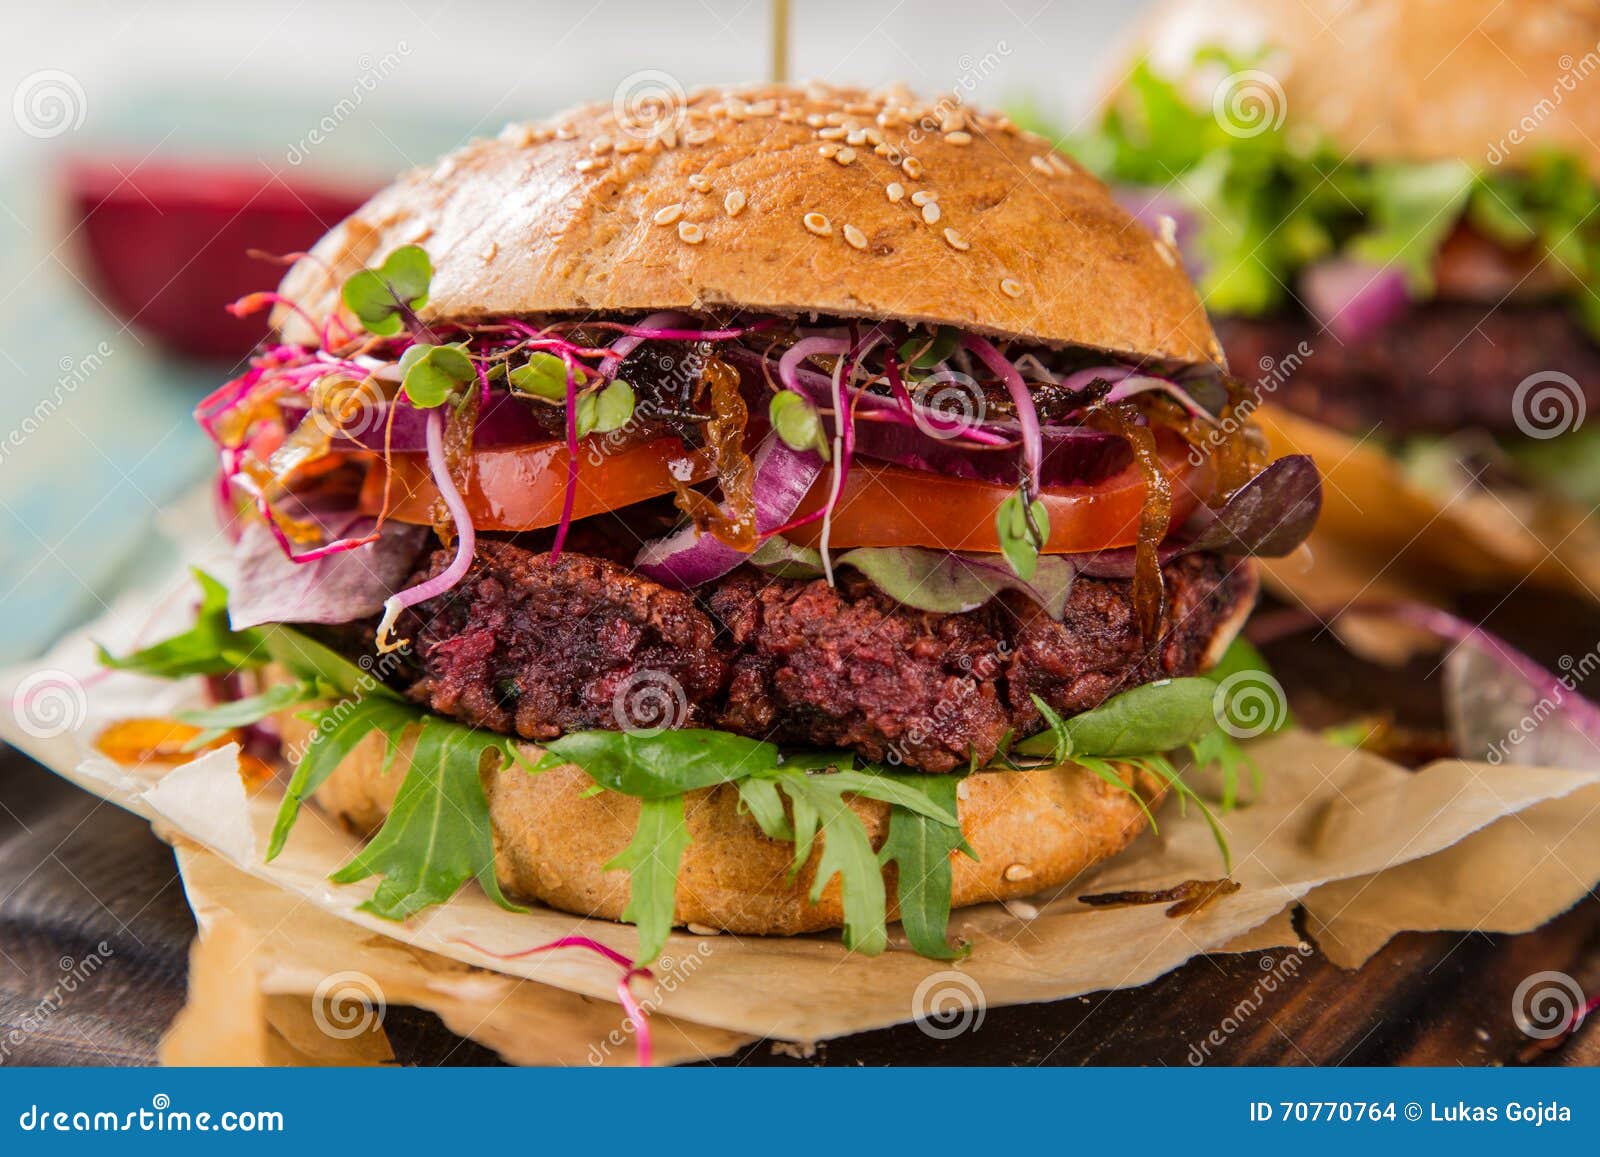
(1369, 847)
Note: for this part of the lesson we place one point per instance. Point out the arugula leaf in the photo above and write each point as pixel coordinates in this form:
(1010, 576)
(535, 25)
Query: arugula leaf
(382, 297)
(335, 731)
(846, 852)
(760, 798)
(1155, 717)
(308, 659)
(210, 647)
(920, 847)
(653, 766)
(223, 717)
(652, 859)
(437, 836)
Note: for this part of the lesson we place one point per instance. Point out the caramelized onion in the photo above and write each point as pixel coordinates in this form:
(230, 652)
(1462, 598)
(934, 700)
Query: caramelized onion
(1149, 596)
(734, 521)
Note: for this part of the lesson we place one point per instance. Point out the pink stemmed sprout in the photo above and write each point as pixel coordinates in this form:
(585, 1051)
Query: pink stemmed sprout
(466, 540)
(630, 1003)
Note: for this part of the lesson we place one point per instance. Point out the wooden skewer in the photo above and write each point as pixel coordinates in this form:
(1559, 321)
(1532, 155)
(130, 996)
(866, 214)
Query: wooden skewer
(780, 41)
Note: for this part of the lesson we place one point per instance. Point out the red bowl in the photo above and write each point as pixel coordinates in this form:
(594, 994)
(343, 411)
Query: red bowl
(166, 246)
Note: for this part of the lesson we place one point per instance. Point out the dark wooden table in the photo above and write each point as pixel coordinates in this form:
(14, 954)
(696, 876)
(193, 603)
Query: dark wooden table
(75, 872)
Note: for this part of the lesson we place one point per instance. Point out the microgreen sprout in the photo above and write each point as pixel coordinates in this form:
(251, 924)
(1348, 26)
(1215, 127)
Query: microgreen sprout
(386, 299)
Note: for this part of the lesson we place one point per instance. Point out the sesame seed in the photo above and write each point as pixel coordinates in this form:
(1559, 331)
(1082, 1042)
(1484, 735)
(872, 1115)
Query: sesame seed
(631, 145)
(856, 137)
(763, 108)
(855, 237)
(834, 118)
(845, 155)
(698, 136)
(922, 196)
(957, 241)
(668, 214)
(930, 212)
(1018, 872)
(959, 137)
(1011, 287)
(690, 232)
(818, 224)
(834, 133)
(1040, 164)
(489, 250)
(1060, 164)
(734, 202)
(894, 190)
(667, 138)
(587, 165)
(963, 789)
(702, 929)
(828, 150)
(699, 182)
(815, 120)
(566, 133)
(600, 146)
(911, 167)
(519, 135)
(1021, 909)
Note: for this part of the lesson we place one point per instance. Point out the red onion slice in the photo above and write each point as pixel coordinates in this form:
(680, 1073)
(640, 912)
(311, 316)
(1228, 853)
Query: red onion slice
(1353, 298)
(686, 558)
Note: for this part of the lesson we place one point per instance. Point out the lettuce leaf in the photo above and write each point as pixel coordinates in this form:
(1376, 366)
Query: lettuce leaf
(939, 581)
(1270, 203)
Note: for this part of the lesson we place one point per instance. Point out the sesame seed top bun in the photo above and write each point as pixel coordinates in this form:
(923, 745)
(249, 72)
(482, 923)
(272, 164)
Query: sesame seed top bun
(790, 200)
(1490, 82)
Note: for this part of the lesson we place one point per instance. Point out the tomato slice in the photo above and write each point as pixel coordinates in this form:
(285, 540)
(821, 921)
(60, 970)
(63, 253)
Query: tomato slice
(521, 487)
(885, 505)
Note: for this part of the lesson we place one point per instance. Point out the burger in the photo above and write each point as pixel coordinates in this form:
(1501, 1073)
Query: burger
(772, 510)
(1389, 206)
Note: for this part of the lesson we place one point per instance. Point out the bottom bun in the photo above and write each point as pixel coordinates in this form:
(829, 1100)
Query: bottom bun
(1031, 831)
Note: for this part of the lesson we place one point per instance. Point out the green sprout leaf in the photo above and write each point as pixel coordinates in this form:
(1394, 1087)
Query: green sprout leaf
(432, 374)
(797, 422)
(1019, 541)
(602, 411)
(543, 376)
(383, 297)
(925, 351)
